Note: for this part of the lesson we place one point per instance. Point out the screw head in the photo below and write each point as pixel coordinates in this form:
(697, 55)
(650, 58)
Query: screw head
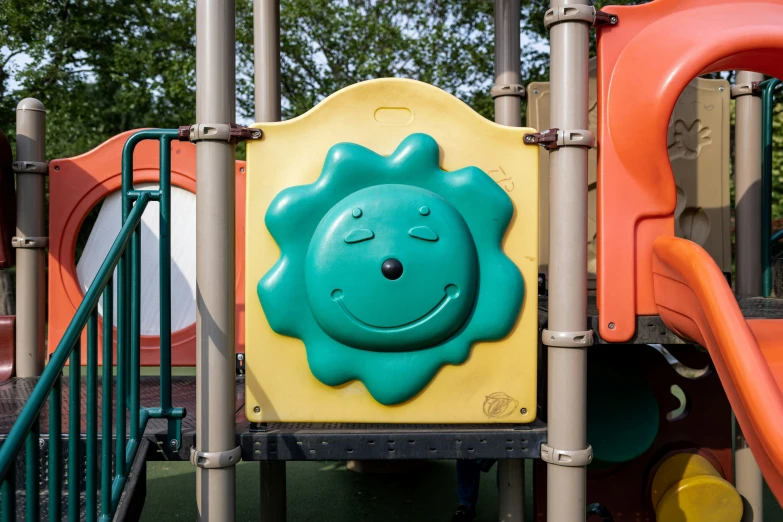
(257, 409)
(173, 443)
(241, 356)
(523, 411)
(241, 169)
(611, 326)
(721, 88)
(535, 91)
(41, 443)
(57, 167)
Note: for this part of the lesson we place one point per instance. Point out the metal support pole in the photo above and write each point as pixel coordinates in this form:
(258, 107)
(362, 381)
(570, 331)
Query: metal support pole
(273, 491)
(507, 63)
(511, 490)
(747, 183)
(215, 225)
(30, 223)
(749, 481)
(567, 379)
(511, 473)
(266, 37)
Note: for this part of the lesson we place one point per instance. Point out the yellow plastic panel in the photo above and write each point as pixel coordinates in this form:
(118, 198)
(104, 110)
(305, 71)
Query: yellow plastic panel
(498, 381)
(698, 143)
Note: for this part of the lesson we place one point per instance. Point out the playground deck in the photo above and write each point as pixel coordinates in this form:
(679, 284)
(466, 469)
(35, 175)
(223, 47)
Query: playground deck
(302, 441)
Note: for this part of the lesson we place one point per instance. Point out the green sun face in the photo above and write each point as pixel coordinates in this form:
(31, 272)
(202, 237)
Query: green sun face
(390, 267)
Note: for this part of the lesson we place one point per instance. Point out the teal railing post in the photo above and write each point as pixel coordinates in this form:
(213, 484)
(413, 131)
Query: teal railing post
(74, 430)
(55, 441)
(8, 492)
(91, 488)
(106, 417)
(767, 104)
(32, 499)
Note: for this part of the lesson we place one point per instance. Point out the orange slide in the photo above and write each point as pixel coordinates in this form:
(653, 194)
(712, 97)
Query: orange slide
(694, 300)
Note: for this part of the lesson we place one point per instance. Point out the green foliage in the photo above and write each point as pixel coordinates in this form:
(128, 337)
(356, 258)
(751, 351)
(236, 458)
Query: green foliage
(99, 67)
(777, 163)
(105, 67)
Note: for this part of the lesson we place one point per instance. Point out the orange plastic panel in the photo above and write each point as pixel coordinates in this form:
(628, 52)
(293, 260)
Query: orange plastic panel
(644, 63)
(694, 300)
(76, 185)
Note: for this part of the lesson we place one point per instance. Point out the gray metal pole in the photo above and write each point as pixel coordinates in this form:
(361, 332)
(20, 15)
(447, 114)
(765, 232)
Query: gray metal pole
(747, 183)
(511, 473)
(266, 36)
(30, 223)
(507, 63)
(567, 369)
(215, 195)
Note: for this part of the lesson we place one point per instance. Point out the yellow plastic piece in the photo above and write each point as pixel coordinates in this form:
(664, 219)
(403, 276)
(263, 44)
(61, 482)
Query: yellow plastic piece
(688, 488)
(498, 381)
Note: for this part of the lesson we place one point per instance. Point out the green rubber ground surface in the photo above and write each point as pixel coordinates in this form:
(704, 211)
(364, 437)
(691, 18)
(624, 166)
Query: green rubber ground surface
(327, 491)
(324, 492)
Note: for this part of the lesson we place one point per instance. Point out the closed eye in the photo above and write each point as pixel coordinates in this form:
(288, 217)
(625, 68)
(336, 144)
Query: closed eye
(425, 233)
(358, 235)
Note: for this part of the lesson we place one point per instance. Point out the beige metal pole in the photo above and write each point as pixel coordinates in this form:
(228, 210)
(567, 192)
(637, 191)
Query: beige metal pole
(507, 93)
(215, 194)
(30, 241)
(266, 37)
(747, 183)
(567, 284)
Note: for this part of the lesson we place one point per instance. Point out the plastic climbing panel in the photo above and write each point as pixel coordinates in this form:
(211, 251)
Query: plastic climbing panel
(698, 145)
(78, 186)
(637, 92)
(391, 263)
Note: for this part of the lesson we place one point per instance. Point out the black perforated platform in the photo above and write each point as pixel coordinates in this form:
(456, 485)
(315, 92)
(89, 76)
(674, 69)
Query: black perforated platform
(301, 441)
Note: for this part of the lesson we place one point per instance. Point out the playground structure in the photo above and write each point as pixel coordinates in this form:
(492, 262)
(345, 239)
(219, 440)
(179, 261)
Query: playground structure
(376, 260)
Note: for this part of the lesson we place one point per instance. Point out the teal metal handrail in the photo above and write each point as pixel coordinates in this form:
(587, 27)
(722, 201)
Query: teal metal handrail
(767, 239)
(125, 255)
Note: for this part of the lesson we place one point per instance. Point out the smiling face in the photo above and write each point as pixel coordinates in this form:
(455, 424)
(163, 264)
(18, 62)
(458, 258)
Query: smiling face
(391, 268)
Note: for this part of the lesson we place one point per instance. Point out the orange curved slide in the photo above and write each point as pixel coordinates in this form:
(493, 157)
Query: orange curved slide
(694, 300)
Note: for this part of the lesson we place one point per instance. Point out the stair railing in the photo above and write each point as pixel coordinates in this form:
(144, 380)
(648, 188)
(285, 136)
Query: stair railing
(125, 256)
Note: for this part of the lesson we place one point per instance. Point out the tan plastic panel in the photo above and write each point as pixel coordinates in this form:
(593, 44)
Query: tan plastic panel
(699, 153)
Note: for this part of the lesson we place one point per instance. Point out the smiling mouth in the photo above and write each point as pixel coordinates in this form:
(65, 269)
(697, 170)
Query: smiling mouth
(450, 293)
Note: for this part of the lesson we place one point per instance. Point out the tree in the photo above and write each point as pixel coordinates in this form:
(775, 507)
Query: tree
(105, 67)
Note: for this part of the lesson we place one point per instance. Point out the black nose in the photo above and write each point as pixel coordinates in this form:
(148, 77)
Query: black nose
(392, 269)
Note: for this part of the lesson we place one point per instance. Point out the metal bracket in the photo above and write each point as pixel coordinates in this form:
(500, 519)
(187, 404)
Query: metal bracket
(744, 89)
(568, 458)
(555, 138)
(579, 13)
(30, 242)
(230, 132)
(512, 89)
(215, 459)
(30, 167)
(567, 339)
